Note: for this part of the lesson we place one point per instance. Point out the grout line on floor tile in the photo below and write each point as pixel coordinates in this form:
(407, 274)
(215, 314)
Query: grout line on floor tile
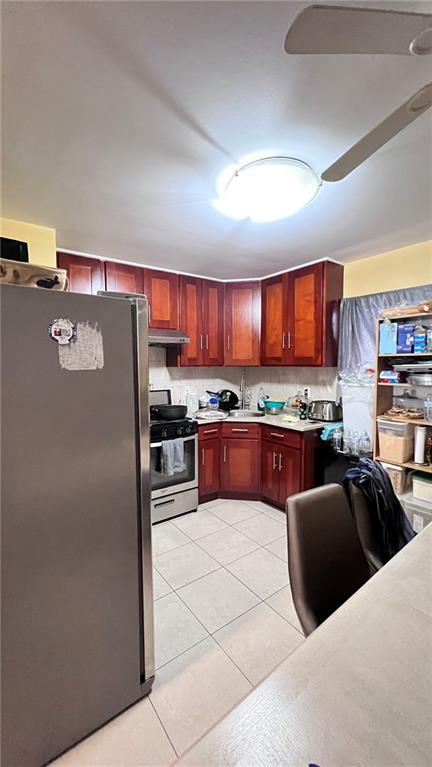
(258, 546)
(195, 644)
(252, 539)
(232, 619)
(274, 553)
(232, 524)
(162, 724)
(188, 583)
(182, 545)
(282, 616)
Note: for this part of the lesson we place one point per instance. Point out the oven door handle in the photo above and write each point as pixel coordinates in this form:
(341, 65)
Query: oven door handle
(185, 439)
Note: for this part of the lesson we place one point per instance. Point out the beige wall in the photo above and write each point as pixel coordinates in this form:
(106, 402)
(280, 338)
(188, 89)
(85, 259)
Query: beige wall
(402, 268)
(41, 240)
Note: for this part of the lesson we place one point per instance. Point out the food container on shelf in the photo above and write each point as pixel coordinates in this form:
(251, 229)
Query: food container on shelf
(396, 440)
(400, 479)
(418, 512)
(422, 487)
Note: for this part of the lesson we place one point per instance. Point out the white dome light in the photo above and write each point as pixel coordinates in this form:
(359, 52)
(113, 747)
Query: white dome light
(268, 189)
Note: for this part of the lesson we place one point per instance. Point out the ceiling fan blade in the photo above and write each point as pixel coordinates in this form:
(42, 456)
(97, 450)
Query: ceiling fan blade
(378, 136)
(338, 29)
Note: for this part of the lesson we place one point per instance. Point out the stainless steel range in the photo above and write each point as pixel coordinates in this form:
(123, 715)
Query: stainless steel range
(172, 493)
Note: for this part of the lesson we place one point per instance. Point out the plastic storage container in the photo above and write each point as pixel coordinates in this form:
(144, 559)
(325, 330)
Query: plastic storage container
(418, 512)
(399, 478)
(422, 487)
(396, 440)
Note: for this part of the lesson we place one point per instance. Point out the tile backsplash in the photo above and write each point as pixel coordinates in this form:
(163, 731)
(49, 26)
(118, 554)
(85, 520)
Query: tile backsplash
(278, 382)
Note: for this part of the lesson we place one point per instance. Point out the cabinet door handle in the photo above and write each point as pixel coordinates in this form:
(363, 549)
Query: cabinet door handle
(289, 339)
(149, 313)
(210, 431)
(283, 339)
(225, 453)
(275, 434)
(201, 341)
(246, 430)
(207, 342)
(274, 461)
(228, 343)
(280, 461)
(202, 457)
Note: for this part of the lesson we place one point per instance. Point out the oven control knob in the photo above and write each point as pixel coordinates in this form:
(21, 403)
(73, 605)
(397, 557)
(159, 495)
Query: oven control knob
(164, 433)
(179, 429)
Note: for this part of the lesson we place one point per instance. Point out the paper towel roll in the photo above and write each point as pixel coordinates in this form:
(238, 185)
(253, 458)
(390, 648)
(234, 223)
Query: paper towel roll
(419, 444)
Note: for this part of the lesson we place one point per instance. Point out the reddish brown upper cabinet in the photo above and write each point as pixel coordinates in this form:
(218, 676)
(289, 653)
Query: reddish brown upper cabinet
(85, 275)
(300, 321)
(213, 322)
(201, 318)
(242, 323)
(162, 289)
(274, 346)
(124, 278)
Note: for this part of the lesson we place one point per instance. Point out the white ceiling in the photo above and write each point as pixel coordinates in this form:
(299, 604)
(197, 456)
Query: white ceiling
(118, 118)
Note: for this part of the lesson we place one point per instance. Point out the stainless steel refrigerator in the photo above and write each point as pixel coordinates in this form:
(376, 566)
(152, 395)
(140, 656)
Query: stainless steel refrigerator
(77, 593)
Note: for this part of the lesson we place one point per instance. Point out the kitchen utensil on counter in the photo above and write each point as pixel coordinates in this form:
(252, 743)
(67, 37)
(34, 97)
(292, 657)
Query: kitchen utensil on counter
(227, 399)
(167, 412)
(325, 410)
(204, 399)
(207, 414)
(273, 407)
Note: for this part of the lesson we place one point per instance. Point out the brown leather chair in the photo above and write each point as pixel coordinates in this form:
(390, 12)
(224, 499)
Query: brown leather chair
(325, 559)
(366, 529)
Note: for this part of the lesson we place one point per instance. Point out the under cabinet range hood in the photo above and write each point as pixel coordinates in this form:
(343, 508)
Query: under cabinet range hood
(156, 336)
(159, 337)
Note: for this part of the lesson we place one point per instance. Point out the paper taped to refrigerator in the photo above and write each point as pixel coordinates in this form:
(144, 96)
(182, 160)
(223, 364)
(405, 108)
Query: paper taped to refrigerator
(85, 352)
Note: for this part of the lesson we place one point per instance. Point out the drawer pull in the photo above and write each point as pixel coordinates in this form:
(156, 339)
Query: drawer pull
(210, 431)
(275, 434)
(240, 430)
(164, 503)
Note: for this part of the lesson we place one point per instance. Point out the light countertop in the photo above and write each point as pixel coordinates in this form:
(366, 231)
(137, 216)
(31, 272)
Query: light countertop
(272, 420)
(357, 692)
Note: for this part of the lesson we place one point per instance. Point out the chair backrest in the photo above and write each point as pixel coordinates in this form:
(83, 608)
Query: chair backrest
(325, 559)
(366, 529)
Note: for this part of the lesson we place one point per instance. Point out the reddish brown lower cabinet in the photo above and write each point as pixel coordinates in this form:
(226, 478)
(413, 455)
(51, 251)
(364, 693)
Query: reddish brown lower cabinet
(240, 467)
(209, 469)
(208, 461)
(85, 275)
(281, 472)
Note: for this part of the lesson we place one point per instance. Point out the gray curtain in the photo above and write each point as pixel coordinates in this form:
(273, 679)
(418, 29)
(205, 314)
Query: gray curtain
(358, 323)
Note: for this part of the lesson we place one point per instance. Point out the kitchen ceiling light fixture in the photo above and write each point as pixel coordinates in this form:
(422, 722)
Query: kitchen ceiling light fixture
(268, 189)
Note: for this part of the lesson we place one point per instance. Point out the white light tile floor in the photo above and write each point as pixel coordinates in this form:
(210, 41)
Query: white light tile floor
(224, 619)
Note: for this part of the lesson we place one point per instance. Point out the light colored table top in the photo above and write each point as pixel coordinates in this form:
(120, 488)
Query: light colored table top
(356, 693)
(272, 420)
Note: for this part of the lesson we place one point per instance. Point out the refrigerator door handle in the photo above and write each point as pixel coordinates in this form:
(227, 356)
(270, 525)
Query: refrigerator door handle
(140, 317)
